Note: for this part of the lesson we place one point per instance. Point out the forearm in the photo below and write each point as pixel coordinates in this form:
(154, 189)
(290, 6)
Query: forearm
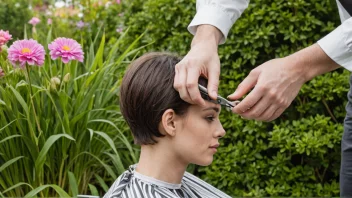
(207, 33)
(218, 13)
(338, 44)
(311, 62)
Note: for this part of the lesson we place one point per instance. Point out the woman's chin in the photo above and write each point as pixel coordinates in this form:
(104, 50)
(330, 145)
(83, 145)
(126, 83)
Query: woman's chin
(205, 161)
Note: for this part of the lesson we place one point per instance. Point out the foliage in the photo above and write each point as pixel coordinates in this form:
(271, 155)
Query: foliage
(299, 153)
(10, 17)
(61, 131)
(165, 21)
(81, 143)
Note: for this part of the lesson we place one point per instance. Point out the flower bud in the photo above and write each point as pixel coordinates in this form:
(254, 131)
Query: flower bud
(3, 48)
(67, 78)
(54, 82)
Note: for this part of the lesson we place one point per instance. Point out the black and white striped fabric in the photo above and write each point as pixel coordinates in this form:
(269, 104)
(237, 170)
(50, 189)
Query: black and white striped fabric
(132, 184)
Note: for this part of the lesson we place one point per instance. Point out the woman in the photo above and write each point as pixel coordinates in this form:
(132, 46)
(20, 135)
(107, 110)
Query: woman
(171, 132)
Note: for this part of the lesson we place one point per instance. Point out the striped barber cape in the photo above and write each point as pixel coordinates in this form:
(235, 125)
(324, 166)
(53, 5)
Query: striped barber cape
(132, 184)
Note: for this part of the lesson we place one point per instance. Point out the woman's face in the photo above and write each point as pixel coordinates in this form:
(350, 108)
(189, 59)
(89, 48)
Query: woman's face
(197, 134)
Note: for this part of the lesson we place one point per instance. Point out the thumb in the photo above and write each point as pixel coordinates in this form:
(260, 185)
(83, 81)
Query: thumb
(213, 82)
(245, 86)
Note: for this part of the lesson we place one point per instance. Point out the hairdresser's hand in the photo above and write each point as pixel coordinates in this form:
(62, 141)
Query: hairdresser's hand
(201, 60)
(275, 87)
(277, 82)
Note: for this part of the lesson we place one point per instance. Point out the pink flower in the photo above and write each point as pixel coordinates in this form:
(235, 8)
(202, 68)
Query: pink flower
(34, 21)
(4, 37)
(26, 51)
(66, 48)
(80, 24)
(50, 21)
(118, 1)
(2, 73)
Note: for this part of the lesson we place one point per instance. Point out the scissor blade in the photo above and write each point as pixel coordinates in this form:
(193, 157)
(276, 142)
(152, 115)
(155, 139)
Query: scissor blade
(224, 102)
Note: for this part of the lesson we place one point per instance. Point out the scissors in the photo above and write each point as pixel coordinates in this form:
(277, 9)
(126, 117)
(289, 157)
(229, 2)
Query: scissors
(219, 100)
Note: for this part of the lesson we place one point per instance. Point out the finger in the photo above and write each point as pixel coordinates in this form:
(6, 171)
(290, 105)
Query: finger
(177, 83)
(249, 101)
(180, 82)
(213, 81)
(245, 86)
(177, 78)
(268, 113)
(277, 113)
(192, 86)
(257, 110)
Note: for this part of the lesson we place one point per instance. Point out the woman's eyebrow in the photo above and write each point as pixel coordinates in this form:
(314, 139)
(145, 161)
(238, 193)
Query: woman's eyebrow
(216, 109)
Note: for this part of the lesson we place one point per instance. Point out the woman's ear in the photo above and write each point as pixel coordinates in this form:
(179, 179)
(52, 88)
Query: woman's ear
(168, 123)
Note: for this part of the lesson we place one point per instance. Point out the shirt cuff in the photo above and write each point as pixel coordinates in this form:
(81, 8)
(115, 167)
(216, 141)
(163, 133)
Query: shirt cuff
(214, 16)
(335, 45)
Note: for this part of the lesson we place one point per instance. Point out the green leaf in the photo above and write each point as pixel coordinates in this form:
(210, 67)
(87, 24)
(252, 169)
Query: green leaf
(39, 162)
(117, 162)
(20, 100)
(8, 163)
(98, 60)
(93, 190)
(73, 184)
(102, 183)
(121, 137)
(16, 186)
(10, 137)
(108, 139)
(35, 191)
(3, 128)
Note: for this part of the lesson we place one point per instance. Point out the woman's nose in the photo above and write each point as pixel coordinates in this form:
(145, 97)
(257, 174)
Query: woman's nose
(221, 132)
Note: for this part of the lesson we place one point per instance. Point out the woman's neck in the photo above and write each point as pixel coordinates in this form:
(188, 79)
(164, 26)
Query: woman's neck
(161, 164)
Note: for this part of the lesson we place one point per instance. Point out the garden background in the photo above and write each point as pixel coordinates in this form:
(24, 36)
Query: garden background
(68, 137)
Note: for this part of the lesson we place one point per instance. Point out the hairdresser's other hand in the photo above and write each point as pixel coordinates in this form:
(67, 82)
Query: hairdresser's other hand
(277, 82)
(275, 87)
(201, 60)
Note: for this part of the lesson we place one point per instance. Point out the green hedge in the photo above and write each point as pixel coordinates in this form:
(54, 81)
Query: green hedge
(299, 153)
(13, 15)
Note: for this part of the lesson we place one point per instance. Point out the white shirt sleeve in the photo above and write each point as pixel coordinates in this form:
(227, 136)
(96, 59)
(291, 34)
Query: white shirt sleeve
(219, 13)
(338, 44)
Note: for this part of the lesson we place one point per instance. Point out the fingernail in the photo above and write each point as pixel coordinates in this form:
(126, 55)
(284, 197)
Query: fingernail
(214, 93)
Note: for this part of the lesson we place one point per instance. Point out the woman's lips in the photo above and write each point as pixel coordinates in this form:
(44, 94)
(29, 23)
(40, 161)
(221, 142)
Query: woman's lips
(214, 147)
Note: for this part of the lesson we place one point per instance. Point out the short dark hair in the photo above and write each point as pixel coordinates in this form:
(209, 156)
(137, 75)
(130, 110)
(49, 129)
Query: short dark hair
(147, 92)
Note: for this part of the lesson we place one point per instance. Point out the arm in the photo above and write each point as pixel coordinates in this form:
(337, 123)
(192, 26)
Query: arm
(277, 82)
(338, 44)
(221, 14)
(210, 26)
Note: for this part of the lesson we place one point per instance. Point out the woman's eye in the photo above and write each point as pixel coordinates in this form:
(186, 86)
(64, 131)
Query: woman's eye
(210, 118)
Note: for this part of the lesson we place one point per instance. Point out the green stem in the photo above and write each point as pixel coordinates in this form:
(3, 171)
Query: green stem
(31, 97)
(62, 73)
(60, 173)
